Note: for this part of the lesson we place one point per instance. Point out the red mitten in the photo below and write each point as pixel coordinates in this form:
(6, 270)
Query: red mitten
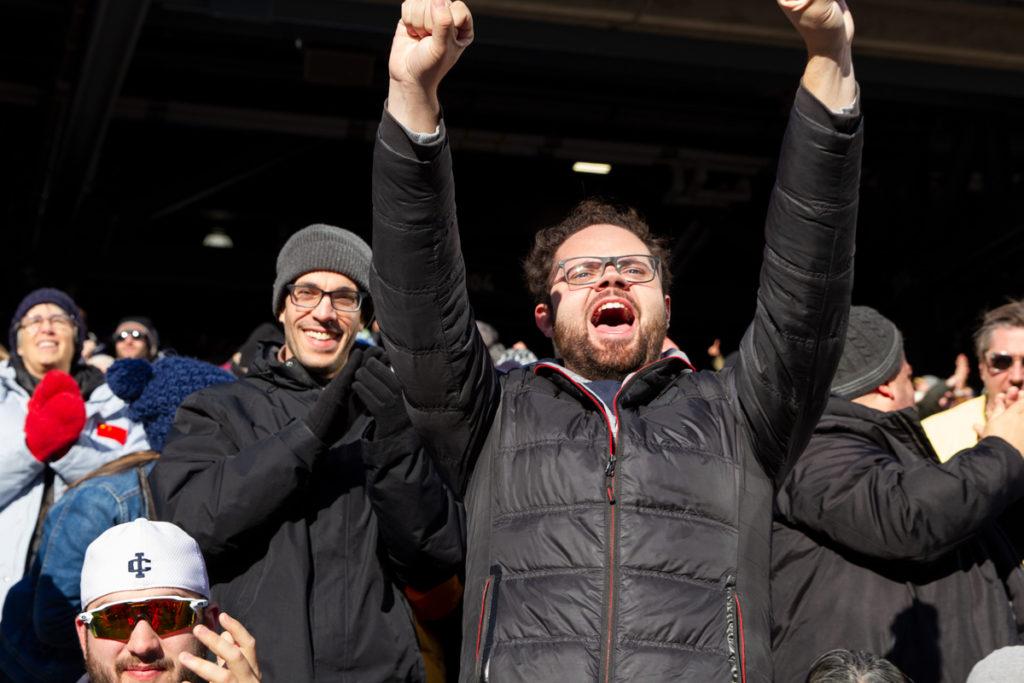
(56, 416)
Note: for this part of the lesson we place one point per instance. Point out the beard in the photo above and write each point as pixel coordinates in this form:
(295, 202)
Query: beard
(612, 359)
(99, 672)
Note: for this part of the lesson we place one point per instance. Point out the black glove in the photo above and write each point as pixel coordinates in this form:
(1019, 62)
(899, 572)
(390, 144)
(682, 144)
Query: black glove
(378, 389)
(334, 412)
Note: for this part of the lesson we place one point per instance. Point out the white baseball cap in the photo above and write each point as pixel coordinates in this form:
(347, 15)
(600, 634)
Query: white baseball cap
(139, 555)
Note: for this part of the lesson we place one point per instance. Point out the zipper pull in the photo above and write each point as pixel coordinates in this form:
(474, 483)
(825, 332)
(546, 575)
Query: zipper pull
(609, 474)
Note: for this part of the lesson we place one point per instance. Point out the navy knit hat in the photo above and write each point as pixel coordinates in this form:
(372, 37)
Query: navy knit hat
(872, 354)
(322, 247)
(47, 295)
(153, 391)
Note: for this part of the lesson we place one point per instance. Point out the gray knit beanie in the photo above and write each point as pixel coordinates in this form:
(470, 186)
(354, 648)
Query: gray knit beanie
(322, 247)
(1005, 665)
(872, 354)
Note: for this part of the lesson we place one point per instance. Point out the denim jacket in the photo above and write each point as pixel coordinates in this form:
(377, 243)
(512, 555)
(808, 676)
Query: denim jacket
(38, 643)
(108, 434)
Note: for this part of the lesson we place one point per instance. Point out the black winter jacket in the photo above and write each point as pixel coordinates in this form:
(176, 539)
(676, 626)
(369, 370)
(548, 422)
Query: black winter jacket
(879, 547)
(627, 542)
(308, 546)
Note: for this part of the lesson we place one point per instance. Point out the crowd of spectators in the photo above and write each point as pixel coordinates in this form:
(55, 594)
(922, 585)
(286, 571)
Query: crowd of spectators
(377, 489)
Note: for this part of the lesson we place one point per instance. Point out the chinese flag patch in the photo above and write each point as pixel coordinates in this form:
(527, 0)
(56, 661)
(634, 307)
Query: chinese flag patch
(118, 434)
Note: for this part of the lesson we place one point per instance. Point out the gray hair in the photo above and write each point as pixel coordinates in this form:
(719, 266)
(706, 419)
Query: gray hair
(1008, 315)
(844, 666)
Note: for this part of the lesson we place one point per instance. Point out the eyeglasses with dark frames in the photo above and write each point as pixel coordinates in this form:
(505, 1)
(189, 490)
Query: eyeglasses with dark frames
(586, 270)
(309, 296)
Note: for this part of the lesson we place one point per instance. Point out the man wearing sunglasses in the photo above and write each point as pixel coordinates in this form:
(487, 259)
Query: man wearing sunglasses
(619, 503)
(147, 614)
(307, 490)
(136, 337)
(880, 547)
(999, 346)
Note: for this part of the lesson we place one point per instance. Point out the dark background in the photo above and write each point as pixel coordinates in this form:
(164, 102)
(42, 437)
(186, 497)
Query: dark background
(129, 130)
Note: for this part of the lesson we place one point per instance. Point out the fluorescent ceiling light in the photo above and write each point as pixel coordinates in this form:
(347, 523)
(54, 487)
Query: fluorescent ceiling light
(218, 239)
(592, 167)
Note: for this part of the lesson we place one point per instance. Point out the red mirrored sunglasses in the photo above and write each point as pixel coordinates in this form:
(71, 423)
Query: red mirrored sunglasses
(165, 614)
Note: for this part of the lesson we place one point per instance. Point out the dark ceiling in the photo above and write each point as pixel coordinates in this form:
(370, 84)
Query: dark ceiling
(132, 129)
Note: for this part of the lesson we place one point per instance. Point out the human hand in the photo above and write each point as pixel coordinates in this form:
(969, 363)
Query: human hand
(379, 390)
(827, 29)
(235, 649)
(825, 25)
(334, 411)
(1006, 419)
(715, 350)
(429, 39)
(56, 416)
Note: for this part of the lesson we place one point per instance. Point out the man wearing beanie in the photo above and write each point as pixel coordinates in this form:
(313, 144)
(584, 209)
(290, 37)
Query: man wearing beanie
(58, 422)
(307, 489)
(878, 546)
(146, 612)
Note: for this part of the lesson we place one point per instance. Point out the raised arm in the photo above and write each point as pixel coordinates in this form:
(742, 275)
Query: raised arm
(419, 277)
(790, 351)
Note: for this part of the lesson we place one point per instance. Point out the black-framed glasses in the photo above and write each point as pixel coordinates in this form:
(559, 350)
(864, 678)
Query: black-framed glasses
(999, 361)
(165, 614)
(586, 270)
(58, 321)
(131, 334)
(309, 296)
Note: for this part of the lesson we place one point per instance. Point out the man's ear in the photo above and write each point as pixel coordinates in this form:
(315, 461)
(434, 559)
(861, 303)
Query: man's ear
(280, 317)
(886, 390)
(668, 310)
(82, 630)
(545, 320)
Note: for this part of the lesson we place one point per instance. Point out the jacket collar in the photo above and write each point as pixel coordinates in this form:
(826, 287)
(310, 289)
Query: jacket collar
(902, 425)
(638, 388)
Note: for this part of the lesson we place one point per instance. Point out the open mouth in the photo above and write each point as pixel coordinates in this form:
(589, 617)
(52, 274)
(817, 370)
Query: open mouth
(614, 317)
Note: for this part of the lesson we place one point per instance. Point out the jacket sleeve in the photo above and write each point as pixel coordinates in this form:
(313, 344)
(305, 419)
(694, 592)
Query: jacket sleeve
(216, 489)
(421, 524)
(75, 521)
(862, 498)
(19, 469)
(419, 287)
(791, 349)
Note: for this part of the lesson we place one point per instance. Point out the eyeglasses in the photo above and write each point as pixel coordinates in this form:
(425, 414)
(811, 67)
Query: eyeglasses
(131, 334)
(586, 270)
(309, 296)
(166, 614)
(1001, 362)
(57, 321)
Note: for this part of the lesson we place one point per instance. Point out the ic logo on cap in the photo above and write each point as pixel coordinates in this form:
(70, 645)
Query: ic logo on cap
(140, 565)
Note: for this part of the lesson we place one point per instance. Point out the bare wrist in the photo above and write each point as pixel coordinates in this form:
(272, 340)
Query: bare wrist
(417, 109)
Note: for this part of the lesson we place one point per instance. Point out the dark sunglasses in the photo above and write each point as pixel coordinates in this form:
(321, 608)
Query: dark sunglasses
(165, 614)
(134, 334)
(1001, 362)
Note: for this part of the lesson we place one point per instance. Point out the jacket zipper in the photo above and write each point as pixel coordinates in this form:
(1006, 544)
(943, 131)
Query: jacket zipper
(608, 646)
(485, 625)
(734, 634)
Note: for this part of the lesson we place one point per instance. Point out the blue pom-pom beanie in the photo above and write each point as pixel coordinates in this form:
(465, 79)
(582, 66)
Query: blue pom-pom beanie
(153, 391)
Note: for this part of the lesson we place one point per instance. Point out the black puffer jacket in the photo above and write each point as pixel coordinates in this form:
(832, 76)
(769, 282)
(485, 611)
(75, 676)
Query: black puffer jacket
(628, 542)
(308, 546)
(878, 547)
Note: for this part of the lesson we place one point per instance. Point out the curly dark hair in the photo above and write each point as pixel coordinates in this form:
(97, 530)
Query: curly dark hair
(538, 263)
